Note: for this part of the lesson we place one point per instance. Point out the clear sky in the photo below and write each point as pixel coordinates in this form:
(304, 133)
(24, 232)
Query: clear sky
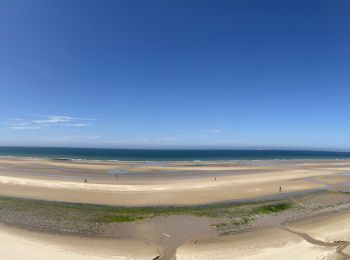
(233, 74)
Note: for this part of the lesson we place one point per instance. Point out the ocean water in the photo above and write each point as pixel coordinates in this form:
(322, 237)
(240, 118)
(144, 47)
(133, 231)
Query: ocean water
(166, 155)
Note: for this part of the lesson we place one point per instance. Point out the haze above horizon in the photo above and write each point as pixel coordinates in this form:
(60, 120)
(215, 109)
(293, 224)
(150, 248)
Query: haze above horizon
(175, 74)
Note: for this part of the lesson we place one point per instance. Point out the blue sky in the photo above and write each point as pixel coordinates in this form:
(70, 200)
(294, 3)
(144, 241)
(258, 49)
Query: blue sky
(229, 74)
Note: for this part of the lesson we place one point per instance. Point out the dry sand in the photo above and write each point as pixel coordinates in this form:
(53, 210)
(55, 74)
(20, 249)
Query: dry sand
(23, 245)
(263, 244)
(327, 229)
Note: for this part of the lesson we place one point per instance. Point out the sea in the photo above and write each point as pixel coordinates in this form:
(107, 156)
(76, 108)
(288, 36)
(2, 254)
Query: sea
(165, 155)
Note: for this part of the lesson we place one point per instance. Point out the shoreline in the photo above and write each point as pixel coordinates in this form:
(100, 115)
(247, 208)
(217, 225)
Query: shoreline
(68, 159)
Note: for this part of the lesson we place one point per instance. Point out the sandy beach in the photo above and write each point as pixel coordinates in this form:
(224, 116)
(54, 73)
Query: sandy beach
(173, 183)
(311, 226)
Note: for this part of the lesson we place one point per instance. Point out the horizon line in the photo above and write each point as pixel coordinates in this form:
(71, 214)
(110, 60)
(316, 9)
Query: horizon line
(190, 148)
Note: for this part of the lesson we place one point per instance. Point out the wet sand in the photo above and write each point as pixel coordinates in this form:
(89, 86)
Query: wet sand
(172, 183)
(166, 233)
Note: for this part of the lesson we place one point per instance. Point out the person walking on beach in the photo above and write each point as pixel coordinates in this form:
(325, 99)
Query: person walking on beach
(280, 189)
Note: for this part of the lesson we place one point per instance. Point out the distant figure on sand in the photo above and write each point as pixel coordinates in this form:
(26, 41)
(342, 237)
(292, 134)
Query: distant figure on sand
(85, 180)
(215, 178)
(280, 189)
(116, 177)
